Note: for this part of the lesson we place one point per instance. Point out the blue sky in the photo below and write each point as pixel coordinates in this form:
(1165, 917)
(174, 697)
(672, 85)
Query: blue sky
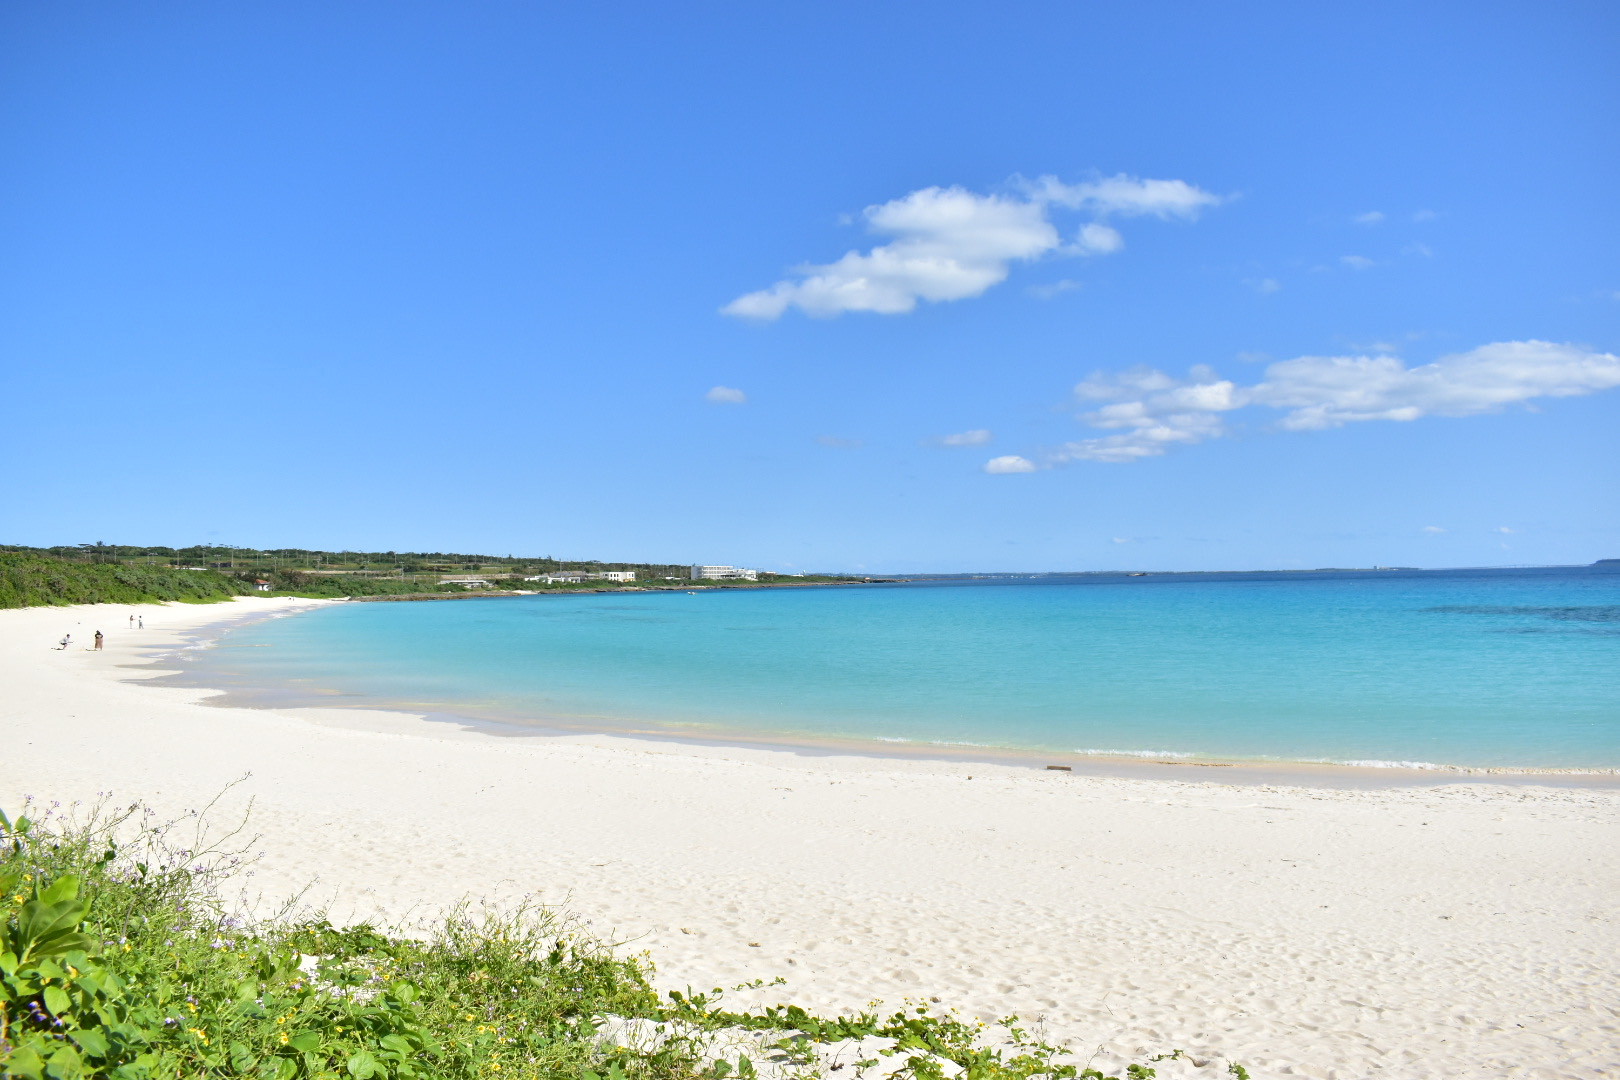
(834, 286)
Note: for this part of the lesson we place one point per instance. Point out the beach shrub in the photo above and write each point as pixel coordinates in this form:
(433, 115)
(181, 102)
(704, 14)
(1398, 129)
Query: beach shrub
(120, 958)
(28, 580)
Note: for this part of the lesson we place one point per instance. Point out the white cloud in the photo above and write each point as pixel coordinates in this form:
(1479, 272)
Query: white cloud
(953, 244)
(726, 395)
(1418, 248)
(976, 437)
(1095, 239)
(950, 244)
(1371, 217)
(1010, 463)
(1357, 262)
(1504, 530)
(1267, 286)
(1126, 196)
(1329, 391)
(1150, 412)
(1433, 530)
(1424, 215)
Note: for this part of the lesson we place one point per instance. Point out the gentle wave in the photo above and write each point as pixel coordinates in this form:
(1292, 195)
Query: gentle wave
(1178, 755)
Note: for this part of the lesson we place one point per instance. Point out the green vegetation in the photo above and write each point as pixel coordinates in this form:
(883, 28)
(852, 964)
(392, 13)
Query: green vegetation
(119, 958)
(27, 580)
(111, 573)
(397, 564)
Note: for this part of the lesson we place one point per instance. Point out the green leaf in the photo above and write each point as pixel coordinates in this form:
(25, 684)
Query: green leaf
(397, 1043)
(65, 1064)
(27, 1063)
(57, 1001)
(63, 888)
(304, 1041)
(362, 1066)
(92, 1042)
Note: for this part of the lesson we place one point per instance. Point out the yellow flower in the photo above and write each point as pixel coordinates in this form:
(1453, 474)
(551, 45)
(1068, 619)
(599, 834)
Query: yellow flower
(283, 1038)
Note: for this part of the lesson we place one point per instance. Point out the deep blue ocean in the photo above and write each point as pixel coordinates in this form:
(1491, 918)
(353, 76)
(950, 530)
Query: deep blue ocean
(1468, 668)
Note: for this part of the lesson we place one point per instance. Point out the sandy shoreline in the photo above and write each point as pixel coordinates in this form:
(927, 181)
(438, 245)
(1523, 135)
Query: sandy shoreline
(1446, 930)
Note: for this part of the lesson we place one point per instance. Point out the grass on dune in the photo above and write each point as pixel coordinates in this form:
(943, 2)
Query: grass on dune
(120, 957)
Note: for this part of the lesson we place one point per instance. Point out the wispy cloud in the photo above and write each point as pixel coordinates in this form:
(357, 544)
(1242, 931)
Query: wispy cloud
(1371, 217)
(1424, 215)
(1432, 530)
(976, 437)
(1265, 286)
(1357, 262)
(1095, 239)
(1149, 412)
(726, 395)
(1125, 196)
(1330, 391)
(953, 244)
(1055, 288)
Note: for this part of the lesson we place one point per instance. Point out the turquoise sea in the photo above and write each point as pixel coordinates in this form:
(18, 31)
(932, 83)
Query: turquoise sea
(1467, 668)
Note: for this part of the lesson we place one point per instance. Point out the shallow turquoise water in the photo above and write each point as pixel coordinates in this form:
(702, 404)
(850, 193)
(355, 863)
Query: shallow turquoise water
(1518, 668)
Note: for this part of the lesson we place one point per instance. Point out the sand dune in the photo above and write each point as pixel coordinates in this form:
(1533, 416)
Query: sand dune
(1461, 930)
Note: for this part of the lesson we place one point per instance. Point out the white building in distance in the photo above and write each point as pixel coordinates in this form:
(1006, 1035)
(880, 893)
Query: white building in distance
(723, 573)
(574, 577)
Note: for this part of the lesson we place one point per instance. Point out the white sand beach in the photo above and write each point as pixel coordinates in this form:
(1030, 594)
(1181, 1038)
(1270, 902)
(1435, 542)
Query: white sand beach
(1447, 931)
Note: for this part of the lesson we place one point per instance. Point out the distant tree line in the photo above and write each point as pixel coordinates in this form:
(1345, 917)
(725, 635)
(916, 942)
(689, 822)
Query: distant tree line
(125, 574)
(232, 558)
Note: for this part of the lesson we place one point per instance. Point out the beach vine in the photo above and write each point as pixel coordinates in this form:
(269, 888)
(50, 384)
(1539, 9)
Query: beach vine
(120, 957)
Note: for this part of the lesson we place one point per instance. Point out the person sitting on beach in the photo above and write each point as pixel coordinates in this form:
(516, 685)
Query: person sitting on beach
(98, 641)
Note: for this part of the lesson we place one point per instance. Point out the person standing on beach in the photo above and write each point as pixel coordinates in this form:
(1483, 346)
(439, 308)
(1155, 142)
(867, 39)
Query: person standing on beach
(132, 622)
(140, 622)
(98, 641)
